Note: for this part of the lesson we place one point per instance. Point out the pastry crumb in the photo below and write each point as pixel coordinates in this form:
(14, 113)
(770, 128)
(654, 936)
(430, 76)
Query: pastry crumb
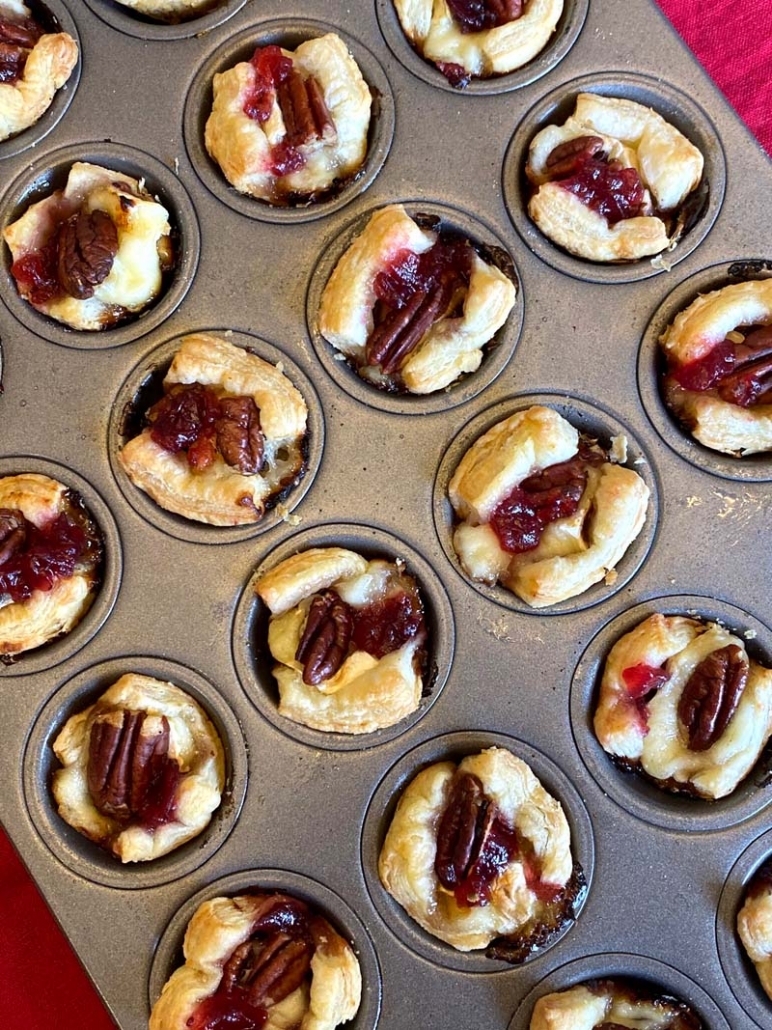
(618, 452)
(750, 634)
(660, 262)
(228, 332)
(693, 502)
(498, 628)
(286, 516)
(611, 577)
(176, 166)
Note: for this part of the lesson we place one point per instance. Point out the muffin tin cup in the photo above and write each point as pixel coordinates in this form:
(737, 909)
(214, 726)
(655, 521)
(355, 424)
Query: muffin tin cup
(130, 405)
(56, 651)
(254, 662)
(554, 109)
(589, 419)
(752, 468)
(168, 955)
(566, 33)
(735, 962)
(635, 794)
(49, 173)
(650, 972)
(78, 853)
(56, 18)
(496, 354)
(288, 33)
(380, 812)
(132, 23)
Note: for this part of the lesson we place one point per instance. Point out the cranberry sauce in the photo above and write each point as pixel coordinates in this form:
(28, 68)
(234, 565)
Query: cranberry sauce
(555, 492)
(741, 372)
(37, 558)
(456, 74)
(412, 293)
(386, 625)
(481, 15)
(303, 108)
(611, 190)
(194, 419)
(261, 972)
(17, 38)
(499, 847)
(37, 275)
(642, 682)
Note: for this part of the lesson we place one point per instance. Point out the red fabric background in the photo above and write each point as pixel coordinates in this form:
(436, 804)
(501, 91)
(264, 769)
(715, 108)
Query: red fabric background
(733, 40)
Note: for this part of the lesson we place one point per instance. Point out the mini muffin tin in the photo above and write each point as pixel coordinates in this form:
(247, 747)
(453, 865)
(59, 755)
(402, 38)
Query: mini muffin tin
(303, 811)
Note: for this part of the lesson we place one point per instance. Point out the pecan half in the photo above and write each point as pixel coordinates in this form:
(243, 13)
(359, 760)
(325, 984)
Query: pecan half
(13, 533)
(711, 695)
(464, 828)
(127, 762)
(305, 113)
(567, 158)
(239, 438)
(326, 637)
(22, 33)
(555, 491)
(750, 381)
(402, 330)
(277, 957)
(88, 243)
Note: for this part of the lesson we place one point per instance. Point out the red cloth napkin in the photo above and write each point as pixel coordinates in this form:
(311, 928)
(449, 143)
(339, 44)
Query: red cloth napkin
(733, 41)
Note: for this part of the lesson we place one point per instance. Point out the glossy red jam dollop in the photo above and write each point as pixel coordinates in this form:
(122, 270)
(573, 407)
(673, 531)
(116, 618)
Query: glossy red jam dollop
(17, 37)
(643, 680)
(384, 626)
(551, 494)
(226, 1012)
(271, 69)
(741, 372)
(185, 419)
(481, 15)
(36, 274)
(49, 554)
(449, 259)
(614, 192)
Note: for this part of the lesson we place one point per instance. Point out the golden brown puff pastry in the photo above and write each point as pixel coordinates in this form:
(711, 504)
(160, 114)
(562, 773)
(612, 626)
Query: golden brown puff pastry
(754, 924)
(349, 638)
(43, 599)
(512, 876)
(452, 43)
(143, 769)
(681, 700)
(719, 381)
(93, 253)
(170, 10)
(308, 122)
(557, 549)
(392, 262)
(610, 138)
(598, 1004)
(33, 65)
(252, 423)
(230, 947)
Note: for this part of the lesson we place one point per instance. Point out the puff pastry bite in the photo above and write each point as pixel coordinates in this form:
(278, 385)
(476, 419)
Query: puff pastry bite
(478, 38)
(94, 253)
(34, 64)
(412, 308)
(479, 855)
(349, 639)
(681, 701)
(142, 769)
(226, 437)
(754, 924)
(287, 126)
(610, 184)
(171, 11)
(263, 960)
(50, 561)
(719, 374)
(612, 1005)
(544, 511)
